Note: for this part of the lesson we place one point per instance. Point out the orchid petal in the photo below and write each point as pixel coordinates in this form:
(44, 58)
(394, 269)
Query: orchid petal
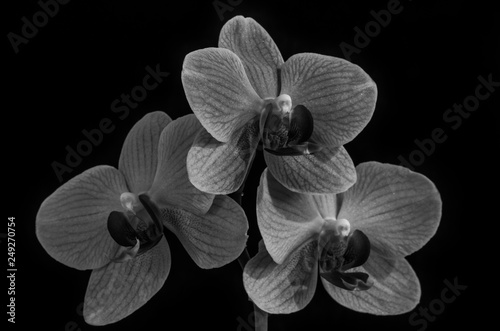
(171, 187)
(301, 125)
(339, 94)
(326, 204)
(399, 210)
(305, 148)
(286, 219)
(357, 251)
(120, 230)
(220, 168)
(258, 52)
(219, 92)
(138, 158)
(282, 288)
(351, 281)
(330, 170)
(118, 289)
(214, 239)
(71, 223)
(395, 289)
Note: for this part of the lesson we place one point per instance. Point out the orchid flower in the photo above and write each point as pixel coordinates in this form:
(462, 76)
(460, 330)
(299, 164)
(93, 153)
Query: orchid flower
(303, 110)
(356, 241)
(111, 220)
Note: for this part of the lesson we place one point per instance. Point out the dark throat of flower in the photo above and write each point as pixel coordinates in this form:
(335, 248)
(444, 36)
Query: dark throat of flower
(137, 229)
(340, 254)
(285, 130)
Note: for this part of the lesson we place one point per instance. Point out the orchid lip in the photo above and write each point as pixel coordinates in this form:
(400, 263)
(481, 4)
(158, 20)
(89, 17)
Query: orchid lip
(341, 251)
(286, 130)
(137, 229)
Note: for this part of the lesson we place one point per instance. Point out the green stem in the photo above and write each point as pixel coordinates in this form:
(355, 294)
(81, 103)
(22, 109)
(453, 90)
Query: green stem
(260, 315)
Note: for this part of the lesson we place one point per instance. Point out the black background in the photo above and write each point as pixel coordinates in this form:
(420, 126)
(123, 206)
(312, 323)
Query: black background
(428, 58)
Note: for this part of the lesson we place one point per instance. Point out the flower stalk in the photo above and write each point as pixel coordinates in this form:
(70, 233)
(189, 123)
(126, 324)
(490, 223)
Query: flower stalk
(260, 315)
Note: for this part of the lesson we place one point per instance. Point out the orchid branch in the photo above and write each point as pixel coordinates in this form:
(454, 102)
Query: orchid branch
(260, 315)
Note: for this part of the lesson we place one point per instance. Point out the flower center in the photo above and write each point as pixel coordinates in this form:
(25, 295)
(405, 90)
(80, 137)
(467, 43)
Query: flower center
(333, 244)
(341, 250)
(286, 130)
(137, 228)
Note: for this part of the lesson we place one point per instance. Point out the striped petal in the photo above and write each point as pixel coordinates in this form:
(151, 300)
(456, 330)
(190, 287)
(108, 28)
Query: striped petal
(219, 92)
(330, 170)
(71, 223)
(258, 52)
(327, 205)
(138, 158)
(339, 94)
(171, 187)
(282, 288)
(118, 289)
(220, 168)
(395, 289)
(399, 210)
(213, 239)
(286, 219)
